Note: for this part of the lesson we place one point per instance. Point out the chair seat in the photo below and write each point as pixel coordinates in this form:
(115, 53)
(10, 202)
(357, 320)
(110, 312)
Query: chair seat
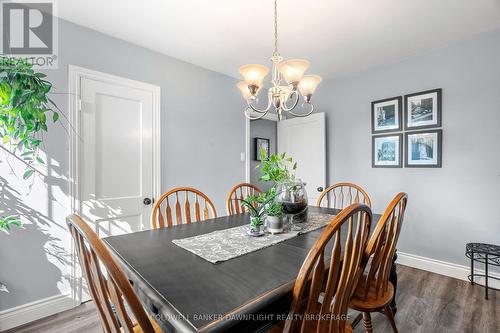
(279, 327)
(156, 327)
(371, 302)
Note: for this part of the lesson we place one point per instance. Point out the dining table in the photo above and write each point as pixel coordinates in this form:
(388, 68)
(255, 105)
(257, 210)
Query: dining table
(186, 293)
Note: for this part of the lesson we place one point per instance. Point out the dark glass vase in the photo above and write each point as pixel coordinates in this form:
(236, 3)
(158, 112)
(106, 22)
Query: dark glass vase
(292, 194)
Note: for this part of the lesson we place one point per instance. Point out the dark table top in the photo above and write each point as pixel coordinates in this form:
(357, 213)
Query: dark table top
(193, 294)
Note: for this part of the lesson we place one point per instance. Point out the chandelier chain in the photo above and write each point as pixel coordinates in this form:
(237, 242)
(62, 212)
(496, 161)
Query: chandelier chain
(276, 26)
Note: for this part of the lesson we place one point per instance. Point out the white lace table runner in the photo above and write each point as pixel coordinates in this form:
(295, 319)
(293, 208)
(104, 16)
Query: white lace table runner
(222, 245)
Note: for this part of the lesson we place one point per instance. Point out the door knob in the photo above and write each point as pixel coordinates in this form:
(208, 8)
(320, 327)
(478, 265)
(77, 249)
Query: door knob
(147, 201)
(320, 189)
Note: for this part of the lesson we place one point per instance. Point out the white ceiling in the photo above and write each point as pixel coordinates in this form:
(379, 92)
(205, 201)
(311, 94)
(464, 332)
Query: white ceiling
(339, 37)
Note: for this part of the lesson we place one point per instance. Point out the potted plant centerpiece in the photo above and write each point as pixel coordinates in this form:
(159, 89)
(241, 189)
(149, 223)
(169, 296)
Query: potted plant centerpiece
(274, 216)
(290, 191)
(256, 205)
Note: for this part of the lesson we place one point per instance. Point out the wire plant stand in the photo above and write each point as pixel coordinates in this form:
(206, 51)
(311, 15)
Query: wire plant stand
(486, 254)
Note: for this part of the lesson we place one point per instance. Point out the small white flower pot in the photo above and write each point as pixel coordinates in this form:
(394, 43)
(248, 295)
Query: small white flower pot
(275, 224)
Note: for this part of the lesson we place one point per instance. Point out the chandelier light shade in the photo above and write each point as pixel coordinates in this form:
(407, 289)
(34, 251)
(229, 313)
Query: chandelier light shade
(283, 98)
(308, 85)
(243, 87)
(254, 74)
(293, 70)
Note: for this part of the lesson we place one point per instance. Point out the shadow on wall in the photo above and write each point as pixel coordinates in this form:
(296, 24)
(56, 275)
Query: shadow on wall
(34, 261)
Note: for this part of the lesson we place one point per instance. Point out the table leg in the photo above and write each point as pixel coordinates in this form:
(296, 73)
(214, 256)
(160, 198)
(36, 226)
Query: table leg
(394, 280)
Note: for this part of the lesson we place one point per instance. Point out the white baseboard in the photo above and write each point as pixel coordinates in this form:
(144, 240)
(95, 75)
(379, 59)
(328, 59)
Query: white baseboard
(29, 312)
(445, 268)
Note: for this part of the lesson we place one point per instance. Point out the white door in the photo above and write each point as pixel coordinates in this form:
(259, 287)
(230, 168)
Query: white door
(116, 162)
(304, 140)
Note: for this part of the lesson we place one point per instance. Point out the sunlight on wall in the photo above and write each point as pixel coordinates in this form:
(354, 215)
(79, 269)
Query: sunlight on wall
(44, 242)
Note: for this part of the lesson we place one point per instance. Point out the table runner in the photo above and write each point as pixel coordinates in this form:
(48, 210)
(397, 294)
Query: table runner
(222, 245)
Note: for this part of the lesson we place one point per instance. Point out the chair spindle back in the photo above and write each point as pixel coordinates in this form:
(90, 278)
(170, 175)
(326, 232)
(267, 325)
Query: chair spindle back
(330, 271)
(109, 292)
(341, 195)
(237, 194)
(182, 205)
(382, 244)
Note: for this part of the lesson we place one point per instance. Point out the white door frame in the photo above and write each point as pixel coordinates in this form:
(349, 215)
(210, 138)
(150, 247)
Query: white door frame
(269, 116)
(76, 74)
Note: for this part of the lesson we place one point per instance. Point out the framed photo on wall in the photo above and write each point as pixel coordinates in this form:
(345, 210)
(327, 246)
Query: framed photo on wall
(387, 151)
(423, 109)
(424, 149)
(261, 143)
(387, 115)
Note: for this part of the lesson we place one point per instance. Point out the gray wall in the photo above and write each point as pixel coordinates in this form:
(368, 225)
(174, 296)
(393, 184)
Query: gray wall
(267, 129)
(448, 207)
(202, 127)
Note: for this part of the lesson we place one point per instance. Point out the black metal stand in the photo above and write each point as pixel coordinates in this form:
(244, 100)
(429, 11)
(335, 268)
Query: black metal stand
(486, 254)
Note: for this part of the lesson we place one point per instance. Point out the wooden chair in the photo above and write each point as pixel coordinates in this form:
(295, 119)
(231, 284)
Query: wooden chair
(341, 195)
(199, 206)
(237, 194)
(374, 292)
(110, 291)
(327, 278)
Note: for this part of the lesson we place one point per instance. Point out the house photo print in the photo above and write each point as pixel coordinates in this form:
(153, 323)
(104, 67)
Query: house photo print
(423, 149)
(387, 151)
(423, 110)
(386, 115)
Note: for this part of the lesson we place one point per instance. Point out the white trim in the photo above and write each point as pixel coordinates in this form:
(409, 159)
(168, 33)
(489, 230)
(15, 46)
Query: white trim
(29, 312)
(75, 75)
(456, 271)
(268, 116)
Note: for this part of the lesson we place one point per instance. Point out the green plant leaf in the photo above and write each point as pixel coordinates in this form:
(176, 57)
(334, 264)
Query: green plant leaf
(27, 153)
(27, 174)
(24, 106)
(8, 221)
(278, 168)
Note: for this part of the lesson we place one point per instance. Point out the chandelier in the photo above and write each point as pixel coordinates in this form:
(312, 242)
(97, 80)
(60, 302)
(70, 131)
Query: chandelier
(284, 98)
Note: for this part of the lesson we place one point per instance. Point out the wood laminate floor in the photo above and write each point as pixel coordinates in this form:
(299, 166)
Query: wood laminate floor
(427, 303)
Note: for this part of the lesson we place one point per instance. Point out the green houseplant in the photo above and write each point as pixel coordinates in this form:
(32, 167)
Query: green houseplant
(277, 169)
(24, 109)
(274, 216)
(256, 205)
(280, 169)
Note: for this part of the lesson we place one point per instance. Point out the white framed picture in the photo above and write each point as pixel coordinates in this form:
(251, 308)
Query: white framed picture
(387, 151)
(423, 109)
(387, 115)
(424, 149)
